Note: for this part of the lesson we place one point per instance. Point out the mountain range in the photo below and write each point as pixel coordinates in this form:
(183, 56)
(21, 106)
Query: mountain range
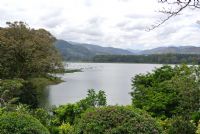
(173, 50)
(73, 51)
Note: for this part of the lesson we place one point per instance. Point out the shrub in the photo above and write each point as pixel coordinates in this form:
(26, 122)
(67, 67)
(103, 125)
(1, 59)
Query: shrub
(181, 126)
(69, 112)
(196, 117)
(17, 123)
(115, 120)
(65, 129)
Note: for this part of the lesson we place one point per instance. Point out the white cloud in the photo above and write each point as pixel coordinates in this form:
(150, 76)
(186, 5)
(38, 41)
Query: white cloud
(116, 23)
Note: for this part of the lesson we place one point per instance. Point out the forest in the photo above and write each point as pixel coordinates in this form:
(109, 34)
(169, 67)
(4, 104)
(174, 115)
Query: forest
(152, 58)
(165, 101)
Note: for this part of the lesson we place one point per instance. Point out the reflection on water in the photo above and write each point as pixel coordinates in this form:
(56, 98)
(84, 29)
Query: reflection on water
(113, 78)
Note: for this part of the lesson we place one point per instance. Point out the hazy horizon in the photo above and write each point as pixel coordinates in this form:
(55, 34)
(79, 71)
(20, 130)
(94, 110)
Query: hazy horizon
(113, 23)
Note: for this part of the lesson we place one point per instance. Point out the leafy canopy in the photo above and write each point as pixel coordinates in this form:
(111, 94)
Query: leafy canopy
(168, 91)
(27, 52)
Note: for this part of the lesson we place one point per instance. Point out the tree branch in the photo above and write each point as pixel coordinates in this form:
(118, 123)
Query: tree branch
(181, 4)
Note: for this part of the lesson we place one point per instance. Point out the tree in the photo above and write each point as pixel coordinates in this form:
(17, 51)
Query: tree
(177, 6)
(93, 99)
(27, 52)
(68, 113)
(168, 91)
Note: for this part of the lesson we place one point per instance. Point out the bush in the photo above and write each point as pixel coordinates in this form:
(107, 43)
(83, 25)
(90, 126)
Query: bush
(196, 117)
(15, 91)
(69, 112)
(65, 129)
(181, 126)
(115, 120)
(16, 123)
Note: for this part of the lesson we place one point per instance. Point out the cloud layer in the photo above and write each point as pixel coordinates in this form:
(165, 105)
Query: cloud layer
(116, 23)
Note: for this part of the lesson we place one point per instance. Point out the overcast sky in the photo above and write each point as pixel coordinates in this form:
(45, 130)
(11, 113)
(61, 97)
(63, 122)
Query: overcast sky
(115, 23)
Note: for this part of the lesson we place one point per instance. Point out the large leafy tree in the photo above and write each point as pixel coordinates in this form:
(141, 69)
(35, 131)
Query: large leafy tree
(26, 52)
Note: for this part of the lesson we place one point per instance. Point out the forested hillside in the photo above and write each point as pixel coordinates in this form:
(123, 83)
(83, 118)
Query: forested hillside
(153, 58)
(173, 50)
(72, 51)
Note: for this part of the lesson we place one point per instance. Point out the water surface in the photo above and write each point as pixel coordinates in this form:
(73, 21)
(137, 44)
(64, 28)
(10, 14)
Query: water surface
(113, 78)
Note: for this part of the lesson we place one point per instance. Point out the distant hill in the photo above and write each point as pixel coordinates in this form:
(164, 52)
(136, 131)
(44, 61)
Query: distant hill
(173, 50)
(134, 51)
(98, 50)
(72, 51)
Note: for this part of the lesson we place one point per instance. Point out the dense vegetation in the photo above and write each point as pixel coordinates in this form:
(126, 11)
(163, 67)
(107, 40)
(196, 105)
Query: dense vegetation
(116, 120)
(177, 89)
(30, 52)
(28, 56)
(153, 58)
(73, 51)
(17, 123)
(171, 94)
(165, 101)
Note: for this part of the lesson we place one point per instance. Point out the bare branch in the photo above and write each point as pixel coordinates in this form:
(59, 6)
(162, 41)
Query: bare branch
(180, 6)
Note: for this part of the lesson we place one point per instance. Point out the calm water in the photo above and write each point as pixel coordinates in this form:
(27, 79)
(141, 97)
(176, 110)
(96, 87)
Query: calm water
(114, 79)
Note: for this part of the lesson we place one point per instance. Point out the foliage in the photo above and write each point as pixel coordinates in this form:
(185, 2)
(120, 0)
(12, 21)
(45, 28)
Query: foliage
(15, 91)
(198, 128)
(65, 129)
(28, 56)
(43, 116)
(21, 108)
(168, 91)
(181, 126)
(30, 52)
(30, 91)
(65, 113)
(10, 90)
(151, 58)
(177, 125)
(196, 117)
(93, 99)
(68, 113)
(20, 124)
(115, 120)
(35, 89)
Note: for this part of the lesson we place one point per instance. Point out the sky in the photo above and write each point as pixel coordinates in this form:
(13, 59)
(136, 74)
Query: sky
(108, 23)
